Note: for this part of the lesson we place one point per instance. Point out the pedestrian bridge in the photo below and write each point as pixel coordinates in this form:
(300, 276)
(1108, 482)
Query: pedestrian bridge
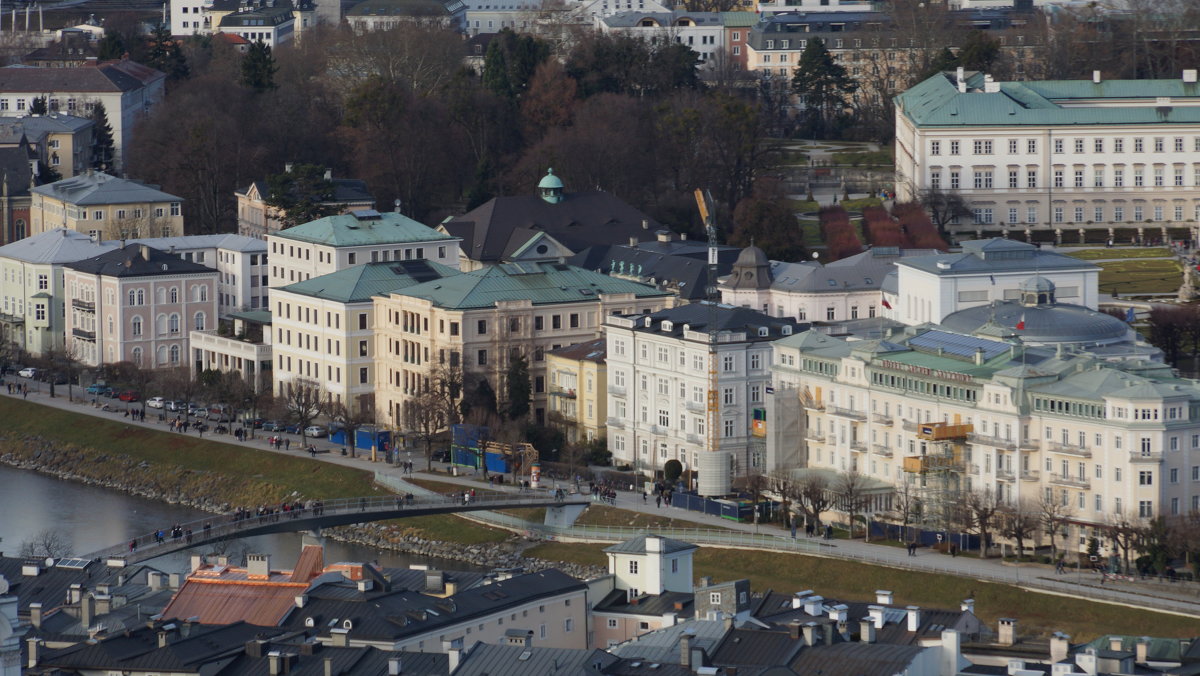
(314, 515)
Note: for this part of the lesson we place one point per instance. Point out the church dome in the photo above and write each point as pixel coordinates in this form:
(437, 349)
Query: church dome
(1058, 323)
(752, 256)
(550, 181)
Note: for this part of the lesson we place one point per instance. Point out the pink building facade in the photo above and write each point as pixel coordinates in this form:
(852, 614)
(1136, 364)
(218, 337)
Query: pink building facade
(137, 304)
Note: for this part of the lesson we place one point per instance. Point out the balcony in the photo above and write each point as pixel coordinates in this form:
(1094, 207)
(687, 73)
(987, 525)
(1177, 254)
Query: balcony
(1031, 445)
(814, 436)
(973, 469)
(86, 335)
(846, 413)
(616, 389)
(1005, 475)
(910, 426)
(1068, 449)
(88, 305)
(695, 439)
(1007, 444)
(615, 423)
(1072, 481)
(882, 419)
(694, 406)
(659, 430)
(562, 392)
(1138, 456)
(811, 404)
(1031, 475)
(858, 446)
(881, 450)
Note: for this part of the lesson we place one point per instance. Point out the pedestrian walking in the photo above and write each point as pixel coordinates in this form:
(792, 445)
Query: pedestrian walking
(793, 529)
(1059, 567)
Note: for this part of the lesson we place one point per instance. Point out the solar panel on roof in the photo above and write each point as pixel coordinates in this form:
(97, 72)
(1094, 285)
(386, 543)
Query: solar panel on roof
(956, 344)
(74, 564)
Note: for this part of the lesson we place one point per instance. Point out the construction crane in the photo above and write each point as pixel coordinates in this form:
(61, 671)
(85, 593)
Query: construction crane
(704, 203)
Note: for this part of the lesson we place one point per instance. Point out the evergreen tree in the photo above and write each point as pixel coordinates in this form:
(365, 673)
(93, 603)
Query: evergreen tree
(165, 54)
(511, 61)
(519, 389)
(300, 194)
(979, 51)
(824, 87)
(38, 106)
(47, 174)
(102, 139)
(111, 47)
(945, 60)
(258, 68)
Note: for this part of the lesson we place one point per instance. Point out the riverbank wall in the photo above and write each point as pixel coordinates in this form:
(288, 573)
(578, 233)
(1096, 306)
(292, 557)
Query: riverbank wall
(212, 491)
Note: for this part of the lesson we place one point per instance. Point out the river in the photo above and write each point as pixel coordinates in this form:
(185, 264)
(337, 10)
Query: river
(92, 518)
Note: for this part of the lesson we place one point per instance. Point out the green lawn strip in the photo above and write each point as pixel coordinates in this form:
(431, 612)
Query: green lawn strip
(802, 206)
(1140, 276)
(1117, 254)
(861, 203)
(849, 580)
(603, 515)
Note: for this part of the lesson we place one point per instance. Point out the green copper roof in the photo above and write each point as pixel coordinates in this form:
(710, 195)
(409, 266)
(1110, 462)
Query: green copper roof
(360, 283)
(541, 283)
(363, 228)
(740, 19)
(936, 102)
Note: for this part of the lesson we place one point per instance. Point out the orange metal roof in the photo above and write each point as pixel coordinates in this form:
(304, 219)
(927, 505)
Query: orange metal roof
(219, 602)
(310, 564)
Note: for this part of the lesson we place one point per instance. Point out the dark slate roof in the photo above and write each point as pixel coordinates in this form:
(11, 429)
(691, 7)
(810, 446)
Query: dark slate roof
(503, 224)
(756, 647)
(138, 260)
(394, 615)
(681, 604)
(100, 188)
(49, 587)
(637, 545)
(14, 167)
(994, 255)
(504, 660)
(263, 16)
(860, 272)
(139, 651)
(698, 317)
(592, 350)
(310, 659)
(856, 659)
(105, 78)
(398, 8)
(685, 273)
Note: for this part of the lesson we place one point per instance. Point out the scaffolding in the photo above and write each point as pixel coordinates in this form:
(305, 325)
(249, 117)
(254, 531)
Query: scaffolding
(939, 470)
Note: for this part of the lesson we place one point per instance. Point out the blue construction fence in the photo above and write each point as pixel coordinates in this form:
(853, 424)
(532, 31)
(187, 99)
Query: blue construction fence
(740, 508)
(923, 536)
(465, 444)
(365, 438)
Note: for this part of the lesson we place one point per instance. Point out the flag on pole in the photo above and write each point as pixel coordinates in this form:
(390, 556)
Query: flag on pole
(1021, 324)
(886, 304)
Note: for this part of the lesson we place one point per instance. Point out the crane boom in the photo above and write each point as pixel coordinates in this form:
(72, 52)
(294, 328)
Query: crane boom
(704, 204)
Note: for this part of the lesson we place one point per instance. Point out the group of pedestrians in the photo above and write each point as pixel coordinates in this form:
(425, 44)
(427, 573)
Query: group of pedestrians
(19, 388)
(136, 414)
(278, 442)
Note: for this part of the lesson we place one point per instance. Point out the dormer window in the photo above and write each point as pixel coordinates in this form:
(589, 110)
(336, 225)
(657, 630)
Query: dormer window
(668, 325)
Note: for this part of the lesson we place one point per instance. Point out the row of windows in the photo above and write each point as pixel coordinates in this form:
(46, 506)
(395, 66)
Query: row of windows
(985, 178)
(1097, 145)
(137, 297)
(1082, 215)
(81, 213)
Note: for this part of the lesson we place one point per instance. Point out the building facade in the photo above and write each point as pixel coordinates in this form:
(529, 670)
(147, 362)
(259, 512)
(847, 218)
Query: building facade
(1056, 156)
(257, 219)
(578, 402)
(659, 384)
(337, 242)
(240, 261)
(137, 304)
(940, 414)
(702, 32)
(477, 322)
(105, 207)
(62, 142)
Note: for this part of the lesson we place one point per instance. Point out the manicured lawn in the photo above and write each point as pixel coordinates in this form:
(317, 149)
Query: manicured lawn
(860, 204)
(1140, 276)
(802, 206)
(865, 158)
(849, 580)
(1126, 253)
(603, 515)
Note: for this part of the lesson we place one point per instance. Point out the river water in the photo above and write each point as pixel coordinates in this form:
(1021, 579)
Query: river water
(93, 518)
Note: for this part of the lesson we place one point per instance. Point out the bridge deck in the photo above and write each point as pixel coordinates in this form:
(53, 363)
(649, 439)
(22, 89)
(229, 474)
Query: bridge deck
(315, 514)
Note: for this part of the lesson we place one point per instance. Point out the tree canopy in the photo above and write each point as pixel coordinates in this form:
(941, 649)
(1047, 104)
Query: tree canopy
(825, 89)
(301, 194)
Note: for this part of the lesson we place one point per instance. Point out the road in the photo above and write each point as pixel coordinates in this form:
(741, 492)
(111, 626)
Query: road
(1181, 598)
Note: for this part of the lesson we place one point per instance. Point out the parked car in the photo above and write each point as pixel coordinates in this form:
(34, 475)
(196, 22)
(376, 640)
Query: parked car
(112, 393)
(97, 388)
(441, 455)
(292, 429)
(255, 423)
(315, 431)
(272, 426)
(129, 396)
(156, 402)
(29, 372)
(220, 413)
(176, 406)
(195, 409)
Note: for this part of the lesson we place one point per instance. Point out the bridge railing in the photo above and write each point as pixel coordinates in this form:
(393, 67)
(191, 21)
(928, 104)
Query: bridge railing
(231, 523)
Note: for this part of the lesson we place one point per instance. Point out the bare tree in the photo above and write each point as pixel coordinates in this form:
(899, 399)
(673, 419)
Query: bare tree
(351, 418)
(944, 207)
(1123, 530)
(424, 418)
(1019, 522)
(1054, 515)
(48, 542)
(134, 376)
(303, 401)
(980, 509)
(851, 493)
(754, 482)
(180, 386)
(906, 504)
(814, 498)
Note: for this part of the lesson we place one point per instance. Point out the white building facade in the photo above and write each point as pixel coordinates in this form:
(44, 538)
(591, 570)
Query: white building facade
(241, 263)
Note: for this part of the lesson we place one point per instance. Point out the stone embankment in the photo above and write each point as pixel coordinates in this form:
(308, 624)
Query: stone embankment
(217, 493)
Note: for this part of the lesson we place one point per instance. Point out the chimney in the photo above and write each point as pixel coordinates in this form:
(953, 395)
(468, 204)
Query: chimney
(455, 655)
(328, 174)
(663, 235)
(222, 560)
(1015, 667)
(74, 593)
(685, 650)
(340, 637)
(1060, 646)
(155, 580)
(961, 80)
(104, 588)
(1096, 77)
(1116, 643)
(33, 644)
(914, 618)
(87, 610)
(812, 605)
(633, 241)
(104, 604)
(395, 666)
(174, 580)
(967, 606)
(35, 614)
(275, 663)
(705, 581)
(866, 630)
(839, 613)
(197, 561)
(301, 600)
(884, 597)
(794, 630)
(1086, 661)
(1189, 76)
(329, 665)
(810, 633)
(876, 615)
(1008, 631)
(165, 634)
(145, 251)
(258, 566)
(828, 632)
(255, 648)
(951, 652)
(1143, 649)
(365, 585)
(645, 224)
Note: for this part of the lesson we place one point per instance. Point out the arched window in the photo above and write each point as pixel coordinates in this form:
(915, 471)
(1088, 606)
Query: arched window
(162, 355)
(141, 297)
(160, 324)
(199, 323)
(203, 293)
(174, 354)
(161, 295)
(132, 297)
(174, 294)
(173, 323)
(136, 355)
(110, 325)
(135, 326)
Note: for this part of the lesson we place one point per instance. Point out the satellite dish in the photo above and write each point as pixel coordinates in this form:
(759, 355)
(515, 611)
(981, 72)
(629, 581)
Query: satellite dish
(49, 561)
(3, 586)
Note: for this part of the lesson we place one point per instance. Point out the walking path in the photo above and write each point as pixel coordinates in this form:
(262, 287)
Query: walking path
(1180, 598)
